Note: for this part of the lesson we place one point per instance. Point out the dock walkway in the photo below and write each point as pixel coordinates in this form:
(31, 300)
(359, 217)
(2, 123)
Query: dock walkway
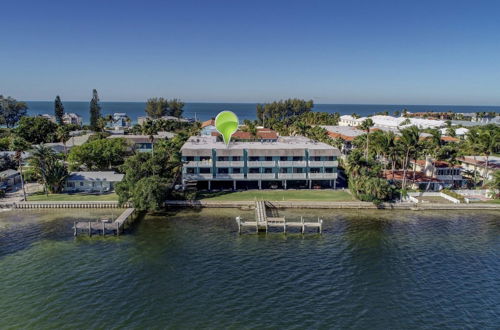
(263, 222)
(104, 226)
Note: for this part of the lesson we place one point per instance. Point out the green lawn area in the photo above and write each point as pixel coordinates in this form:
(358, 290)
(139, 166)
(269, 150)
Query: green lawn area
(493, 201)
(39, 197)
(282, 195)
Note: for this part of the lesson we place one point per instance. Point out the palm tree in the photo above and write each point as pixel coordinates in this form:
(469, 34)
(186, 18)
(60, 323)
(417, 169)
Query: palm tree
(409, 140)
(300, 128)
(51, 170)
(488, 142)
(472, 146)
(433, 147)
(62, 134)
(250, 127)
(365, 126)
(20, 145)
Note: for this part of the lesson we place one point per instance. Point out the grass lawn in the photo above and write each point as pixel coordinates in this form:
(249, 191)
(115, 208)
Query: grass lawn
(493, 201)
(40, 197)
(282, 195)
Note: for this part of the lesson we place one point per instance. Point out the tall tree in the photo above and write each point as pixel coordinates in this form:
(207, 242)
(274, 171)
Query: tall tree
(49, 168)
(63, 136)
(175, 108)
(365, 126)
(95, 111)
(20, 145)
(58, 110)
(36, 130)
(409, 140)
(156, 107)
(11, 111)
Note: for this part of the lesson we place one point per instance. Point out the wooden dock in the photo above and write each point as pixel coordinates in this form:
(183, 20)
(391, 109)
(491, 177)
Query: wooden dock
(104, 226)
(263, 222)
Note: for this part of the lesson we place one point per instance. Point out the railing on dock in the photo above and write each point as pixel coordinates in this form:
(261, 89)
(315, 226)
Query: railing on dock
(263, 222)
(104, 225)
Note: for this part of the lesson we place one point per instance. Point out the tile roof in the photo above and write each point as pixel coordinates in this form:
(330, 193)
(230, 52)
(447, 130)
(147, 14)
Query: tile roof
(399, 175)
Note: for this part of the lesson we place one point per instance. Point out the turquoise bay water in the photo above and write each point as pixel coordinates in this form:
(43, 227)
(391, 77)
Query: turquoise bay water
(205, 111)
(190, 269)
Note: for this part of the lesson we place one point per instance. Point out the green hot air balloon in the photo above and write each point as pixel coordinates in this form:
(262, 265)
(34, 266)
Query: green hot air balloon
(226, 124)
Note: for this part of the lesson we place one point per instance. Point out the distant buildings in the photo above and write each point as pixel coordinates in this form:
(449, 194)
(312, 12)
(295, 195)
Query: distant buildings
(283, 163)
(120, 120)
(392, 122)
(71, 118)
(48, 117)
(92, 181)
(9, 178)
(208, 127)
(142, 143)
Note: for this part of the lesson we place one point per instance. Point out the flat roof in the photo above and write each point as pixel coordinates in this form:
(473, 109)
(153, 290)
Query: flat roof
(283, 142)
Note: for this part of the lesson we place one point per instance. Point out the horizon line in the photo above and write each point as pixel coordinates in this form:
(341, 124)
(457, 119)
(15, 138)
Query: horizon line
(225, 102)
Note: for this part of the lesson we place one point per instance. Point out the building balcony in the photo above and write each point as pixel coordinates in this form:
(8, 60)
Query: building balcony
(261, 176)
(200, 176)
(323, 176)
(321, 163)
(229, 164)
(267, 163)
(200, 163)
(293, 176)
(229, 176)
(300, 163)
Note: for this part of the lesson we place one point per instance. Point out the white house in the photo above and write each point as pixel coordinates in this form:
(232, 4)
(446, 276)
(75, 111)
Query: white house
(99, 182)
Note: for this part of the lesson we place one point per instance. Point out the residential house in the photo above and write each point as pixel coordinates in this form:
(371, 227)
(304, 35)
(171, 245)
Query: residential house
(477, 164)
(449, 175)
(70, 118)
(92, 182)
(9, 178)
(208, 127)
(120, 121)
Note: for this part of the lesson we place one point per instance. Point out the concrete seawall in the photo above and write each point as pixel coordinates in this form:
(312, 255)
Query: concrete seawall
(64, 205)
(336, 205)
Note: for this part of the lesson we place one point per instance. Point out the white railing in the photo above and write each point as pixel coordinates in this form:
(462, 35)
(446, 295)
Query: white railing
(290, 163)
(321, 163)
(291, 175)
(269, 163)
(201, 163)
(324, 176)
(229, 164)
(233, 176)
(260, 176)
(201, 176)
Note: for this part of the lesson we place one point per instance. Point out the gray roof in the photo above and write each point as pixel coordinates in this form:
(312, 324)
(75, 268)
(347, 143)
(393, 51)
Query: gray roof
(96, 176)
(8, 173)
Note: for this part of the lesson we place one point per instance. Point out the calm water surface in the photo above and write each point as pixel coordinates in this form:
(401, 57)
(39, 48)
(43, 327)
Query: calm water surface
(190, 269)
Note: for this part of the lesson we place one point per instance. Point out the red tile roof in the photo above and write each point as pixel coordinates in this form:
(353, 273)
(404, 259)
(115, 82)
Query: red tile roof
(210, 122)
(449, 139)
(399, 175)
(437, 163)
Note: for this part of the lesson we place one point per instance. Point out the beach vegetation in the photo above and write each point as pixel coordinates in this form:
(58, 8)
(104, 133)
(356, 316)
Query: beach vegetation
(98, 155)
(36, 130)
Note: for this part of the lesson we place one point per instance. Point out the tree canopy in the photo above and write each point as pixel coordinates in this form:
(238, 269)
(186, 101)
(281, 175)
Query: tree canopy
(158, 107)
(11, 111)
(102, 154)
(281, 110)
(36, 130)
(58, 110)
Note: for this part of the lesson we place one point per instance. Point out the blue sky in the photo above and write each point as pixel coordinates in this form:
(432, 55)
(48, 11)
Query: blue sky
(387, 52)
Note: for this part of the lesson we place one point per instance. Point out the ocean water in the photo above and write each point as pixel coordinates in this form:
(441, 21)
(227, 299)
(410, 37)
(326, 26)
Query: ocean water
(189, 269)
(205, 111)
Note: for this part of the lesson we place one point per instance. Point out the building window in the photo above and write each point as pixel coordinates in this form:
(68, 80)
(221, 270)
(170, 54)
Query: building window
(284, 170)
(330, 158)
(316, 158)
(223, 170)
(328, 169)
(81, 183)
(236, 170)
(189, 158)
(205, 170)
(222, 159)
(254, 170)
(202, 158)
(297, 170)
(297, 158)
(268, 170)
(315, 170)
(236, 158)
(283, 158)
(269, 159)
(254, 159)
(190, 170)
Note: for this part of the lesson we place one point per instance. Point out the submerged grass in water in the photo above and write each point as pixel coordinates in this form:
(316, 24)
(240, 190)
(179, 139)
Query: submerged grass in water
(190, 269)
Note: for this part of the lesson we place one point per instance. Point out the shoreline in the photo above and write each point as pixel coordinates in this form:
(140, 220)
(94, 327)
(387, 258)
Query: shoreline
(251, 204)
